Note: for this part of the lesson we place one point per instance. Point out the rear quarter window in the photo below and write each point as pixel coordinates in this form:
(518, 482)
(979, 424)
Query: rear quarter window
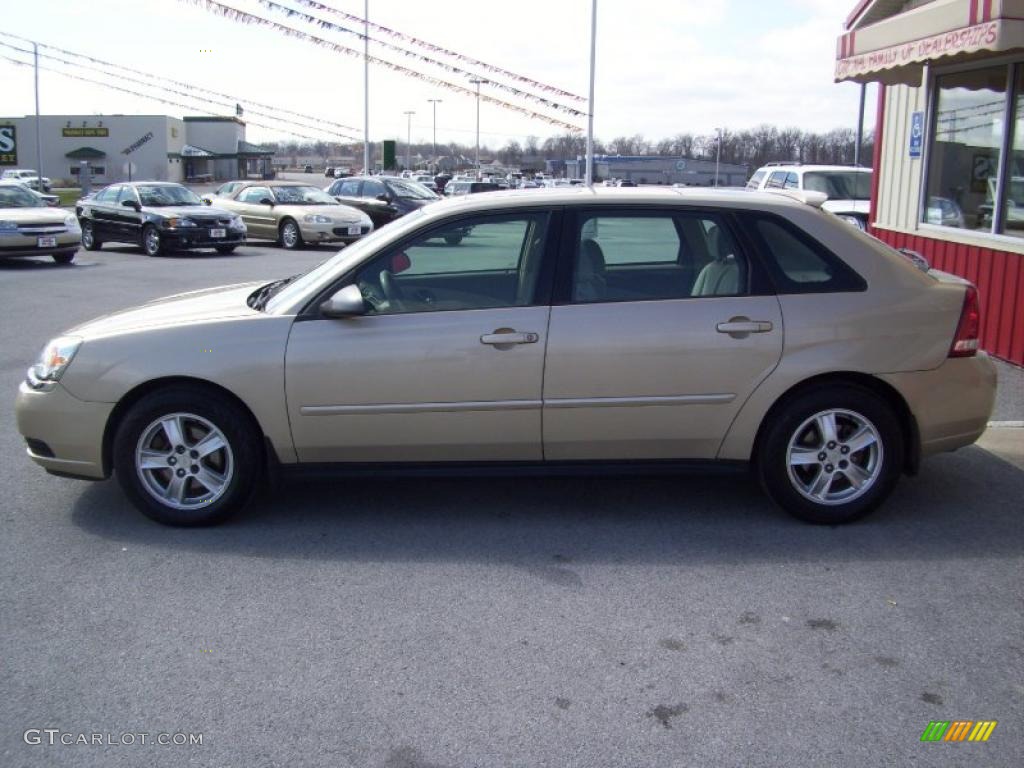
(798, 263)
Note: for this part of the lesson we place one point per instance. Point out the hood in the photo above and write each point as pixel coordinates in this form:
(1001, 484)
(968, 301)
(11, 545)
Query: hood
(848, 206)
(36, 215)
(207, 305)
(191, 211)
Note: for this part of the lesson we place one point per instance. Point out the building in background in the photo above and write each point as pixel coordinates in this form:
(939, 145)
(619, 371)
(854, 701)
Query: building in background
(652, 169)
(132, 147)
(949, 142)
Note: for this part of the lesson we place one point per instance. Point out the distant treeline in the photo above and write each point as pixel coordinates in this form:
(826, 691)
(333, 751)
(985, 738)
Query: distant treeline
(751, 147)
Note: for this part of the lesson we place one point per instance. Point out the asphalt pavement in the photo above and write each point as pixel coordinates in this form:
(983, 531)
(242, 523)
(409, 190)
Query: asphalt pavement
(429, 623)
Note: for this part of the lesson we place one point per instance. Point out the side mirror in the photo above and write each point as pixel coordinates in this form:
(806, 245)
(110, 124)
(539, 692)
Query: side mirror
(267, 201)
(131, 204)
(384, 198)
(348, 302)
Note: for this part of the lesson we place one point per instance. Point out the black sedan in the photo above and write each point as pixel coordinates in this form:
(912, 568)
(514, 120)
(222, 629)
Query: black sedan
(382, 198)
(159, 216)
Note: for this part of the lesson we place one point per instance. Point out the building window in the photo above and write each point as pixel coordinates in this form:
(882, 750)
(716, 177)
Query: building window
(968, 145)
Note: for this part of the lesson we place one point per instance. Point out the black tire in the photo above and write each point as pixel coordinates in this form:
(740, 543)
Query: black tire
(243, 455)
(151, 244)
(226, 249)
(854, 408)
(89, 240)
(453, 239)
(63, 258)
(289, 235)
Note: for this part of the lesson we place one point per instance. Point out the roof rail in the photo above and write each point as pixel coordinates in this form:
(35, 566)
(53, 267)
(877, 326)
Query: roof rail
(784, 162)
(805, 196)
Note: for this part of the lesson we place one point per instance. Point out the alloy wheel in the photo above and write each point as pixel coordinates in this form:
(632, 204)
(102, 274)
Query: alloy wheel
(184, 461)
(834, 457)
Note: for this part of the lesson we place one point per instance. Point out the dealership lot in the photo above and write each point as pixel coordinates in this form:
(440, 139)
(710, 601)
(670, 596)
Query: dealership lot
(495, 622)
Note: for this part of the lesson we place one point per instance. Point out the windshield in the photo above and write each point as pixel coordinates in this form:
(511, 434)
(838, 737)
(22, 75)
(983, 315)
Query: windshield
(156, 195)
(411, 190)
(15, 196)
(341, 262)
(840, 185)
(302, 196)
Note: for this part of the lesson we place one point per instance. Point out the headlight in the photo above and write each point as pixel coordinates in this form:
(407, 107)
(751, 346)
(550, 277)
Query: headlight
(316, 218)
(72, 224)
(237, 223)
(182, 222)
(53, 361)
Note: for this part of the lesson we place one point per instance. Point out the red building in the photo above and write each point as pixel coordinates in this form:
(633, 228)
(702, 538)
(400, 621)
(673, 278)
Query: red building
(949, 142)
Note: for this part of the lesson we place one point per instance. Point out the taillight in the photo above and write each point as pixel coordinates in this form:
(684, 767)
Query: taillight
(965, 342)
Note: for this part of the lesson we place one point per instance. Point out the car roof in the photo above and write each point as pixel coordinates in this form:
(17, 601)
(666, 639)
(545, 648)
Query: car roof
(580, 195)
(798, 167)
(277, 184)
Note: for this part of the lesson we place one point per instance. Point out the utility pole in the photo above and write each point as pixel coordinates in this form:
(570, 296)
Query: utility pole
(718, 156)
(366, 87)
(435, 102)
(590, 109)
(477, 82)
(39, 146)
(408, 139)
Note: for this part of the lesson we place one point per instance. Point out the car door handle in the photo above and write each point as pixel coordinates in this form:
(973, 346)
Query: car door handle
(503, 336)
(741, 325)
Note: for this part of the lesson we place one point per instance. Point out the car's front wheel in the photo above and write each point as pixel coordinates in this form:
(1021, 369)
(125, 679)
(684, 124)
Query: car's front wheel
(290, 236)
(151, 241)
(63, 258)
(831, 454)
(187, 456)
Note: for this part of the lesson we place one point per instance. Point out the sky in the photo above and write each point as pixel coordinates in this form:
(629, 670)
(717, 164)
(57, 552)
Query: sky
(663, 66)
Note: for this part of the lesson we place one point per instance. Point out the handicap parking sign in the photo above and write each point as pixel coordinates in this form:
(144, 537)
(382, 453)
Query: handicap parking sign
(916, 133)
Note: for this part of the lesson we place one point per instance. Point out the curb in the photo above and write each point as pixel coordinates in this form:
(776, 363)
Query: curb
(1006, 425)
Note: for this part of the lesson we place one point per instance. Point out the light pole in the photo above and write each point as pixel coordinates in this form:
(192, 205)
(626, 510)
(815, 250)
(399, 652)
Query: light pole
(408, 138)
(366, 86)
(477, 81)
(590, 109)
(39, 146)
(434, 103)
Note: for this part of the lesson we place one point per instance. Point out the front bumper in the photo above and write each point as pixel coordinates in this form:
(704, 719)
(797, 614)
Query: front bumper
(331, 233)
(952, 403)
(184, 239)
(70, 428)
(28, 245)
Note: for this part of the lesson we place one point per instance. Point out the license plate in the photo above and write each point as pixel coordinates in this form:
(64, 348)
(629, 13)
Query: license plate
(49, 241)
(354, 230)
(217, 233)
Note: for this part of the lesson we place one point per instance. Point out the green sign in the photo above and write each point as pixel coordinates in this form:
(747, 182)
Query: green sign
(80, 132)
(8, 145)
(389, 154)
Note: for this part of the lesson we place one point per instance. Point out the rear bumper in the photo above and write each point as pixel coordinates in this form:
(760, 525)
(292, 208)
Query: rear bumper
(72, 429)
(951, 404)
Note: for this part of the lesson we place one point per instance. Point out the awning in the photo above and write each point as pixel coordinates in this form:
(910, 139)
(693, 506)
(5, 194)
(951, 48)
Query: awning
(85, 153)
(894, 49)
(245, 148)
(189, 151)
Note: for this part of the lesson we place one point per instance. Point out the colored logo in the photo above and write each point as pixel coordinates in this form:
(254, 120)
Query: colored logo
(959, 730)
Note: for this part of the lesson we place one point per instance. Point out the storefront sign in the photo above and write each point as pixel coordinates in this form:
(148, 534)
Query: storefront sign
(966, 40)
(137, 144)
(916, 133)
(79, 132)
(8, 145)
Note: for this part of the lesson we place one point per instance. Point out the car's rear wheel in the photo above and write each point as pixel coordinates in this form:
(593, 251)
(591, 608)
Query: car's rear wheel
(291, 237)
(151, 241)
(63, 258)
(187, 456)
(89, 240)
(832, 454)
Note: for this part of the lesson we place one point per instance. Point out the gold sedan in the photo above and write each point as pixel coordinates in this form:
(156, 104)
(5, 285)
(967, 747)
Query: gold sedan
(28, 227)
(294, 214)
